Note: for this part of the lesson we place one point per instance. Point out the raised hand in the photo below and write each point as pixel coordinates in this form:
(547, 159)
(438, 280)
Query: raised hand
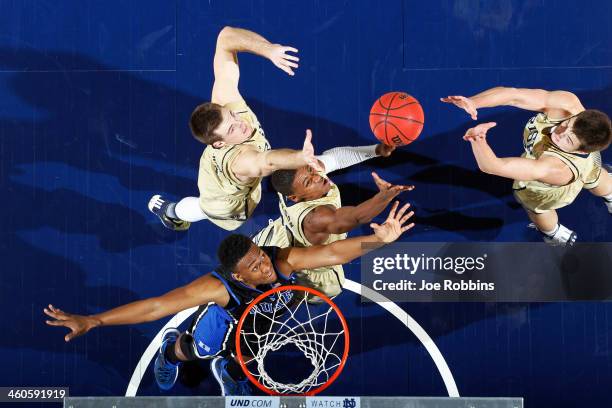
(384, 150)
(308, 154)
(479, 132)
(77, 324)
(279, 56)
(394, 226)
(388, 190)
(464, 103)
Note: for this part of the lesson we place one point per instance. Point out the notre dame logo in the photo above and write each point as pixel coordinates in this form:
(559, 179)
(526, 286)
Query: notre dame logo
(349, 403)
(531, 136)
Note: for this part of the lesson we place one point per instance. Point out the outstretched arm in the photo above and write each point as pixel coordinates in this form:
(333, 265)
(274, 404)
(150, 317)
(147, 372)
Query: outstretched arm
(557, 104)
(329, 220)
(545, 169)
(252, 163)
(233, 40)
(343, 251)
(202, 290)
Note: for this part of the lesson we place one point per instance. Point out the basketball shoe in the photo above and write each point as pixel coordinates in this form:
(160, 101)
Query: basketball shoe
(166, 372)
(159, 206)
(228, 385)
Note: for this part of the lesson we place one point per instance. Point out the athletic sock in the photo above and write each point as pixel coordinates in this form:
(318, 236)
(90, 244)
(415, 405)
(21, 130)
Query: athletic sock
(170, 354)
(562, 236)
(170, 211)
(608, 201)
(552, 232)
(234, 370)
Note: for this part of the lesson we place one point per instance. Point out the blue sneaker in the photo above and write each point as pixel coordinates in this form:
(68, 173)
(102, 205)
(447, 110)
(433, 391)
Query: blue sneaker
(158, 206)
(228, 385)
(166, 372)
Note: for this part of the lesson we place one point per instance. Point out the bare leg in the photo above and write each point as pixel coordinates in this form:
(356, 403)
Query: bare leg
(604, 189)
(553, 232)
(605, 185)
(177, 349)
(544, 222)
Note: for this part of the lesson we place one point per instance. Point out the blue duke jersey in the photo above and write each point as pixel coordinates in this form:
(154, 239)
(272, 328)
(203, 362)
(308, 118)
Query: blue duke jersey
(214, 327)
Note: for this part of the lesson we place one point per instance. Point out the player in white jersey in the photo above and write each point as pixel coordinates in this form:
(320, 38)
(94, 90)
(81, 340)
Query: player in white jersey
(312, 212)
(562, 146)
(237, 155)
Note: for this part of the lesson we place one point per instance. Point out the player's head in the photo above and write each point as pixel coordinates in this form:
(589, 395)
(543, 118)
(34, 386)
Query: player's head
(244, 261)
(302, 184)
(216, 125)
(589, 131)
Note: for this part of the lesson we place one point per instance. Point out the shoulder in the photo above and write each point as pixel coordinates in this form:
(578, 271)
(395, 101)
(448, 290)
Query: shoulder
(319, 215)
(237, 106)
(209, 287)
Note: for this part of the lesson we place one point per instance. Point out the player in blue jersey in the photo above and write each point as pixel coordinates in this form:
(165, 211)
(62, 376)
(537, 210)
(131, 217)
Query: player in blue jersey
(246, 271)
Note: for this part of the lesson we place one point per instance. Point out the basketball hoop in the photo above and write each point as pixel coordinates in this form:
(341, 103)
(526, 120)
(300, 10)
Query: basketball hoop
(282, 319)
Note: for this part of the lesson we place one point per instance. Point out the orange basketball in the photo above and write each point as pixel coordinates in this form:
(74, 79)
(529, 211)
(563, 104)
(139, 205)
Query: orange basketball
(396, 118)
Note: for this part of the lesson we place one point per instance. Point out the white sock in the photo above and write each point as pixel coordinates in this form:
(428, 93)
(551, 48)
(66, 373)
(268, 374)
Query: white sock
(608, 200)
(562, 236)
(552, 232)
(346, 156)
(188, 209)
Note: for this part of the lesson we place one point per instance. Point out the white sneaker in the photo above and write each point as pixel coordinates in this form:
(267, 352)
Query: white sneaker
(562, 237)
(608, 168)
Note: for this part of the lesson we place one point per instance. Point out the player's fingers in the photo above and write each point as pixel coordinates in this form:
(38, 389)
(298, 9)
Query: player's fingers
(308, 138)
(289, 64)
(488, 125)
(295, 50)
(402, 210)
(407, 227)
(379, 182)
(393, 210)
(290, 57)
(54, 322)
(55, 315)
(374, 226)
(406, 217)
(286, 69)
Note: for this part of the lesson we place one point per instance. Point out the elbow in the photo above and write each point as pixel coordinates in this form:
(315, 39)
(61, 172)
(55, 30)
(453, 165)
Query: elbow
(487, 169)
(223, 35)
(513, 96)
(267, 165)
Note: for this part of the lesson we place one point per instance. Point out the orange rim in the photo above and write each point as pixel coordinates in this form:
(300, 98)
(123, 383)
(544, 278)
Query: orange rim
(327, 300)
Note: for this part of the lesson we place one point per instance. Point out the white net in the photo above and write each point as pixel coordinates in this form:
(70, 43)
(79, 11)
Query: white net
(313, 330)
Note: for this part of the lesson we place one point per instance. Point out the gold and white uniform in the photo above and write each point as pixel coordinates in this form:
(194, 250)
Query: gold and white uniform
(288, 231)
(227, 201)
(540, 197)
